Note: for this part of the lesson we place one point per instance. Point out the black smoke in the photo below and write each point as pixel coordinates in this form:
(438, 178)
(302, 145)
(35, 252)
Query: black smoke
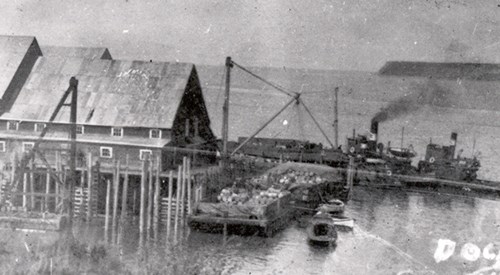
(429, 93)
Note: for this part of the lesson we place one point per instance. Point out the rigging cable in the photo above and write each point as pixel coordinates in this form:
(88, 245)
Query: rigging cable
(291, 94)
(275, 86)
(316, 122)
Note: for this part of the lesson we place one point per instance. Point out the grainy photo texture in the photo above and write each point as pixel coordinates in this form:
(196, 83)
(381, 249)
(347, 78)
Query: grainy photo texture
(250, 137)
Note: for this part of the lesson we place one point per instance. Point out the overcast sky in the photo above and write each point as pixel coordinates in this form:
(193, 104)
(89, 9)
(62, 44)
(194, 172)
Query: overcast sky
(344, 35)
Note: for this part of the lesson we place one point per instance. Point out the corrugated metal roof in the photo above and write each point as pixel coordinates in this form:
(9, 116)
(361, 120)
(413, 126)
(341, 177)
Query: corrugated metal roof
(110, 92)
(76, 52)
(12, 51)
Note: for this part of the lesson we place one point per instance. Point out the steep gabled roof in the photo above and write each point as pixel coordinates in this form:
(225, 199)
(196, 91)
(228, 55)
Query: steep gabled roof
(76, 52)
(110, 92)
(13, 49)
(468, 71)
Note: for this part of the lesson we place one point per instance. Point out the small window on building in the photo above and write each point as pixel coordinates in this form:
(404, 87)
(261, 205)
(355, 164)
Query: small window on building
(145, 154)
(28, 146)
(80, 129)
(2, 146)
(39, 127)
(155, 133)
(13, 125)
(117, 132)
(106, 152)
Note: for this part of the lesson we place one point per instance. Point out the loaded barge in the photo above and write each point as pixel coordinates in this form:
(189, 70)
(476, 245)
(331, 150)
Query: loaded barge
(267, 204)
(248, 218)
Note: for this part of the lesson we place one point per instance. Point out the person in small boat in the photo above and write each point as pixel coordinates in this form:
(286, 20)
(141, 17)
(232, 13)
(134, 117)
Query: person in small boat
(321, 230)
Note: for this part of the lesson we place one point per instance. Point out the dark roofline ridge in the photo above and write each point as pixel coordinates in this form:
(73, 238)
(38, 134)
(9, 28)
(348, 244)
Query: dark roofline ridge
(439, 63)
(283, 68)
(442, 70)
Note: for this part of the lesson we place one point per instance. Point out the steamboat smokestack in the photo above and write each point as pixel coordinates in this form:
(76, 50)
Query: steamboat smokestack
(453, 146)
(453, 139)
(372, 140)
(374, 131)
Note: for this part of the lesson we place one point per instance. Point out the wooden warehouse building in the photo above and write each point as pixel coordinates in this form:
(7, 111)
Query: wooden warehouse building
(133, 108)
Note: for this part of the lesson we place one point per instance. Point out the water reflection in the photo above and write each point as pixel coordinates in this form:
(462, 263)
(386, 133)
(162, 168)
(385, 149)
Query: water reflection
(415, 222)
(394, 231)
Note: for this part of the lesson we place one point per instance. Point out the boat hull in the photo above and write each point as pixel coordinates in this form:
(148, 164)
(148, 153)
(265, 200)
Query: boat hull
(321, 231)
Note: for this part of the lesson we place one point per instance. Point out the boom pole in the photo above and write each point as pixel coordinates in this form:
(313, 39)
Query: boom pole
(73, 83)
(336, 117)
(225, 108)
(70, 185)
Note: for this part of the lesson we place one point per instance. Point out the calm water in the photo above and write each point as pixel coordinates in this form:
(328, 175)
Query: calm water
(395, 231)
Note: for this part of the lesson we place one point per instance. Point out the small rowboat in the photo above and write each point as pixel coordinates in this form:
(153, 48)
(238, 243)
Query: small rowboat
(402, 152)
(321, 230)
(332, 207)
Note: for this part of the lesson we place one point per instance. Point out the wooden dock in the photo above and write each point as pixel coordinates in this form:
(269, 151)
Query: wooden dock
(489, 189)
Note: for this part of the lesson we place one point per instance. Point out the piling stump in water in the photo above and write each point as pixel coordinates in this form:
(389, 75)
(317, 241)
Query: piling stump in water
(169, 208)
(123, 213)
(106, 217)
(177, 205)
(156, 205)
(150, 200)
(115, 201)
(142, 203)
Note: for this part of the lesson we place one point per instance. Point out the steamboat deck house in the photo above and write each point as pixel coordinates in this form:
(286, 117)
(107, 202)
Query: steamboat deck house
(137, 109)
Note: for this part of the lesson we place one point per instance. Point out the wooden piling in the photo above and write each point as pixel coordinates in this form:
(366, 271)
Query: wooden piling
(32, 184)
(116, 190)
(156, 206)
(83, 205)
(13, 175)
(188, 175)
(169, 207)
(89, 186)
(177, 202)
(150, 200)
(47, 191)
(106, 217)
(123, 213)
(183, 188)
(142, 203)
(58, 197)
(58, 172)
(195, 188)
(25, 189)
